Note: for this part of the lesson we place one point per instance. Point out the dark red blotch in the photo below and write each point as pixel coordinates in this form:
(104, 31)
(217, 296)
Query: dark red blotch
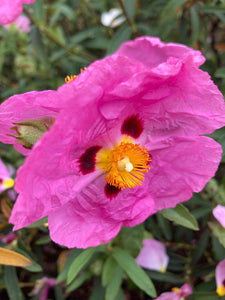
(111, 191)
(132, 126)
(87, 160)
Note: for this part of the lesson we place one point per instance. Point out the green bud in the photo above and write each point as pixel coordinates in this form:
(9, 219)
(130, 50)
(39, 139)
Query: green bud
(30, 131)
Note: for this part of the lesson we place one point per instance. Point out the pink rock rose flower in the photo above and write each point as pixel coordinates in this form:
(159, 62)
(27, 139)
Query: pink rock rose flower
(153, 256)
(220, 278)
(17, 115)
(42, 287)
(219, 214)
(177, 293)
(6, 181)
(11, 9)
(22, 23)
(128, 144)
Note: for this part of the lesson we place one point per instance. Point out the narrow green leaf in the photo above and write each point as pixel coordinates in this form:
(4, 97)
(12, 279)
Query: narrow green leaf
(78, 282)
(108, 270)
(130, 8)
(79, 262)
(11, 282)
(134, 271)
(123, 34)
(194, 24)
(169, 9)
(113, 287)
(205, 296)
(220, 73)
(202, 245)
(181, 216)
(218, 231)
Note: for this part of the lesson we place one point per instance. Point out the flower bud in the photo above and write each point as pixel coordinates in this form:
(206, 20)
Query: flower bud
(30, 131)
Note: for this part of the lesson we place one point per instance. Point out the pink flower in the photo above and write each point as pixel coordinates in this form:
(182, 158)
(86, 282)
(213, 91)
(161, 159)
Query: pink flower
(22, 23)
(219, 214)
(153, 256)
(11, 9)
(128, 144)
(40, 106)
(6, 181)
(9, 238)
(220, 278)
(43, 285)
(177, 293)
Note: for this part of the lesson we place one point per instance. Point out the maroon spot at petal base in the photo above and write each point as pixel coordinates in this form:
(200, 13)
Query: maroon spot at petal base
(87, 160)
(132, 126)
(111, 191)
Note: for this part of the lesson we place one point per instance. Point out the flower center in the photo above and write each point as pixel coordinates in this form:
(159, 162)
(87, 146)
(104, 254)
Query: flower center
(126, 164)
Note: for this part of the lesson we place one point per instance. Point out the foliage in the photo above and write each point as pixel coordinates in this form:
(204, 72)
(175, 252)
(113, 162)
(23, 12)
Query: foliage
(66, 36)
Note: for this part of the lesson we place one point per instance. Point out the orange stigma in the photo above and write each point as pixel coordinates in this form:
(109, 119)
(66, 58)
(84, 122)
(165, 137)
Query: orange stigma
(126, 164)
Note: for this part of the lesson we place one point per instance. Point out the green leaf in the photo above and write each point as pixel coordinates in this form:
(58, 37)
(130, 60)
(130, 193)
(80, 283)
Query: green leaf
(35, 267)
(38, 223)
(165, 226)
(79, 262)
(168, 12)
(131, 239)
(11, 283)
(78, 282)
(134, 271)
(130, 8)
(205, 296)
(194, 24)
(123, 34)
(202, 245)
(218, 231)
(181, 216)
(108, 270)
(44, 240)
(113, 287)
(63, 274)
(220, 73)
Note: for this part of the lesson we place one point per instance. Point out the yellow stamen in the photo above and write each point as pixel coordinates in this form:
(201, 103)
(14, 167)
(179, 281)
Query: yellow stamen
(8, 183)
(72, 77)
(176, 290)
(220, 290)
(125, 164)
(163, 270)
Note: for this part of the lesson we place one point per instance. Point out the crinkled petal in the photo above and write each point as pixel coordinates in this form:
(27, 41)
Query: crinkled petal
(73, 226)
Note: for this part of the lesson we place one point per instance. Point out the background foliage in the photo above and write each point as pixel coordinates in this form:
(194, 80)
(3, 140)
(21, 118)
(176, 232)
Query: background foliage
(65, 36)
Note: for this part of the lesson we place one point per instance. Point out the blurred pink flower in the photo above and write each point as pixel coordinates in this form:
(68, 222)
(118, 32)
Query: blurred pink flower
(153, 256)
(22, 23)
(220, 278)
(34, 105)
(11, 9)
(43, 286)
(9, 238)
(177, 293)
(6, 181)
(219, 214)
(128, 143)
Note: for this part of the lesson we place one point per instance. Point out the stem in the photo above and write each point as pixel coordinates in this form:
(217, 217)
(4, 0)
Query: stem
(45, 31)
(131, 24)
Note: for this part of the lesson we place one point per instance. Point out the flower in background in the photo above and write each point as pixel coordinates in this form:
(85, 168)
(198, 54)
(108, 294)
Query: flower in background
(112, 18)
(153, 256)
(6, 182)
(10, 10)
(9, 238)
(220, 278)
(22, 23)
(177, 293)
(43, 286)
(128, 143)
(219, 214)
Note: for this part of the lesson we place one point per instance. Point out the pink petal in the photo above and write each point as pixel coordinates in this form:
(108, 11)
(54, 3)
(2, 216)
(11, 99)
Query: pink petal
(220, 273)
(10, 10)
(219, 214)
(153, 256)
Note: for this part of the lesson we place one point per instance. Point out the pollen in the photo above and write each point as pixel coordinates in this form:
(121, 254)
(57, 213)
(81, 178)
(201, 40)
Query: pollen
(220, 290)
(70, 78)
(125, 165)
(8, 183)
